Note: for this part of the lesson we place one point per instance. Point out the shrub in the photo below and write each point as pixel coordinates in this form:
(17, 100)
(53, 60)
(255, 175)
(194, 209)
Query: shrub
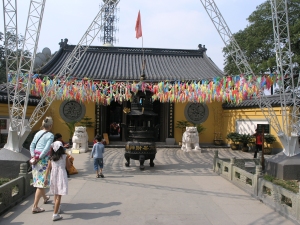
(291, 185)
(3, 181)
(234, 137)
(269, 139)
(182, 124)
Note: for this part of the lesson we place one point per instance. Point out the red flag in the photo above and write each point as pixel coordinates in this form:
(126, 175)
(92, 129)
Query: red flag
(138, 26)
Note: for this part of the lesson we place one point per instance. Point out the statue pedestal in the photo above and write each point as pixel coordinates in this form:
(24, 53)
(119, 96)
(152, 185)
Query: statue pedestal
(170, 141)
(283, 167)
(74, 151)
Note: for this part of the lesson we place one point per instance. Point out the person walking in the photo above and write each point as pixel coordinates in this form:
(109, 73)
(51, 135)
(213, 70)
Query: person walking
(97, 154)
(258, 142)
(71, 170)
(58, 179)
(40, 153)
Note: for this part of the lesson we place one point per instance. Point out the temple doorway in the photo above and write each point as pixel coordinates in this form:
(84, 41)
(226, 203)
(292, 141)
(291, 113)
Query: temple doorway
(114, 120)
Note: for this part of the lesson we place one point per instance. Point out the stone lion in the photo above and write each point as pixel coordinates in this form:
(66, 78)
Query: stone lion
(190, 140)
(80, 139)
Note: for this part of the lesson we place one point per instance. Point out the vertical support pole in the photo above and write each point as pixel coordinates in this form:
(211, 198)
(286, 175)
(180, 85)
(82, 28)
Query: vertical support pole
(232, 161)
(216, 152)
(23, 173)
(258, 174)
(262, 148)
(298, 205)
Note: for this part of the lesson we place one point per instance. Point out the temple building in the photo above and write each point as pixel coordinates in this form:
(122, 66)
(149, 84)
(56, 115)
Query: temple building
(109, 63)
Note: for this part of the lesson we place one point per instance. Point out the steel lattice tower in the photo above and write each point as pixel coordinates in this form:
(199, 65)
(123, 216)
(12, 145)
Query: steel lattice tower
(109, 21)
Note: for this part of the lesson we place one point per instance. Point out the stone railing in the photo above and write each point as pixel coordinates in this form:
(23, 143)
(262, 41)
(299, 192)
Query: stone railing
(280, 199)
(14, 191)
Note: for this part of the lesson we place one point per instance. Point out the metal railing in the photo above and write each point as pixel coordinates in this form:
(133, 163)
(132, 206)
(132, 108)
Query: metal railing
(280, 199)
(14, 191)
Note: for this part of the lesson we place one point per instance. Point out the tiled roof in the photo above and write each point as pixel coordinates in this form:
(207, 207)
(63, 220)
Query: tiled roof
(33, 101)
(122, 63)
(274, 100)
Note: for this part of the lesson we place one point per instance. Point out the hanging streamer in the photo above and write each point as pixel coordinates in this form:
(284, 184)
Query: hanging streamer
(233, 89)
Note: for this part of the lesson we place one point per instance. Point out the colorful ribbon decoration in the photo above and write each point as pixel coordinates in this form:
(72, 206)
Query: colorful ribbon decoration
(232, 89)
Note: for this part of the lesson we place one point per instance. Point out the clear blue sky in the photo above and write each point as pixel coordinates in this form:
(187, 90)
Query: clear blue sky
(179, 24)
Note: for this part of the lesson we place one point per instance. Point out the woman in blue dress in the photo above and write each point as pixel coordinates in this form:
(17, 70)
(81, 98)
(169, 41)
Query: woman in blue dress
(40, 154)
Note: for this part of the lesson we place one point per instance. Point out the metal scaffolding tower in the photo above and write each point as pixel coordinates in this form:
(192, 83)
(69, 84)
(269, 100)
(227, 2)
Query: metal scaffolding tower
(109, 20)
(19, 94)
(284, 55)
(19, 130)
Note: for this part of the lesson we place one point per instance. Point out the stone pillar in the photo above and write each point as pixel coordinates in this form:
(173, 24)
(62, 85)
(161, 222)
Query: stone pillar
(298, 205)
(216, 152)
(23, 173)
(257, 175)
(232, 161)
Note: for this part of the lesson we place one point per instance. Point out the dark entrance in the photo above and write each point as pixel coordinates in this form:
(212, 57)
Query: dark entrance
(114, 120)
(109, 118)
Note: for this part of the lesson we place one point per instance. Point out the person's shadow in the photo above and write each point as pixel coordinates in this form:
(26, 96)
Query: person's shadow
(70, 209)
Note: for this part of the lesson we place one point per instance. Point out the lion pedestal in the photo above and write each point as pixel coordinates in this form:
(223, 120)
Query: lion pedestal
(190, 140)
(80, 140)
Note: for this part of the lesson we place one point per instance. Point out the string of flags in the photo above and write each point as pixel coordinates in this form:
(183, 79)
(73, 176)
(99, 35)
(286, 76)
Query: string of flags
(232, 89)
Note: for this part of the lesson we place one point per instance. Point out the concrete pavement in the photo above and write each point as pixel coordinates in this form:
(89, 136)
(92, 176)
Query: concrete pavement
(180, 189)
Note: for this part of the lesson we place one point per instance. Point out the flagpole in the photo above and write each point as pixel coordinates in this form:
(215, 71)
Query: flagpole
(143, 59)
(138, 29)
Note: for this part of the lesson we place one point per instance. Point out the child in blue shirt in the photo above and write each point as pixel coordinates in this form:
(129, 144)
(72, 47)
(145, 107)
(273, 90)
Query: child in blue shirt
(97, 154)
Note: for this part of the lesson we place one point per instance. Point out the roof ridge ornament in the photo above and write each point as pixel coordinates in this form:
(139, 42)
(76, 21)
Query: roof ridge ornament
(201, 49)
(63, 43)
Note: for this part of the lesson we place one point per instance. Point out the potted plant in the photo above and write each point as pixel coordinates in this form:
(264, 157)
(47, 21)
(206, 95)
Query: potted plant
(200, 128)
(245, 139)
(218, 139)
(71, 126)
(234, 137)
(86, 122)
(269, 140)
(182, 124)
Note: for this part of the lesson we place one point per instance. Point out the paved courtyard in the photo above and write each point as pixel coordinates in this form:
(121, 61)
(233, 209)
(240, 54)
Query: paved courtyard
(180, 189)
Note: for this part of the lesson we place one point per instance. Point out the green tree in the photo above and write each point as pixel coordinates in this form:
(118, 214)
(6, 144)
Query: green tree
(11, 40)
(257, 39)
(2, 60)
(71, 127)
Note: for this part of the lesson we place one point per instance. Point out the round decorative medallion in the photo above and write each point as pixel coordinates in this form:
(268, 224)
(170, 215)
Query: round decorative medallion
(71, 111)
(196, 112)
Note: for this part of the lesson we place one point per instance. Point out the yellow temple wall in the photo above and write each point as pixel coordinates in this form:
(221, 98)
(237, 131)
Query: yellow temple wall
(231, 116)
(59, 124)
(4, 113)
(221, 121)
(208, 135)
(218, 124)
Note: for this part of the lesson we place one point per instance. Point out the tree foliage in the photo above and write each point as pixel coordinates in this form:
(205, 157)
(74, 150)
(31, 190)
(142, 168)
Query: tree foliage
(2, 60)
(11, 40)
(86, 122)
(257, 39)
